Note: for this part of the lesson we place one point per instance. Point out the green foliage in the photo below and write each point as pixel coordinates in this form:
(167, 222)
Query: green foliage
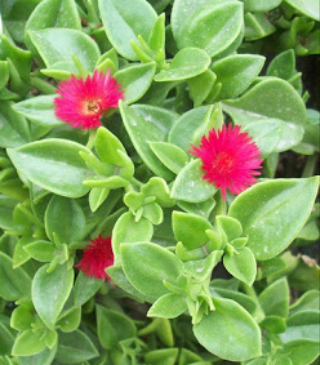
(196, 279)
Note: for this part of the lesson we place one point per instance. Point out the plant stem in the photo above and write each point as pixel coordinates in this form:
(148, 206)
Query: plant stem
(310, 165)
(41, 85)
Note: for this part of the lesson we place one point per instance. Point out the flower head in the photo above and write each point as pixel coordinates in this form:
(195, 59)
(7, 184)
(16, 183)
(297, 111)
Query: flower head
(97, 257)
(82, 102)
(229, 159)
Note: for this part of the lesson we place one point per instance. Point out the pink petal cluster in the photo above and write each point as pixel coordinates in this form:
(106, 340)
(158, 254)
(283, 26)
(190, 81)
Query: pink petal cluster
(97, 257)
(82, 102)
(230, 159)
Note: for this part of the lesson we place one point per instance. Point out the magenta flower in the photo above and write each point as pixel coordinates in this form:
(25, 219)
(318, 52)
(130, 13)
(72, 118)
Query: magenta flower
(229, 159)
(97, 257)
(83, 102)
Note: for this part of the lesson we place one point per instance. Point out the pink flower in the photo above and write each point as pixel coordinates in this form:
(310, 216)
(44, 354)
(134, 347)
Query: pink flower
(83, 102)
(229, 159)
(97, 257)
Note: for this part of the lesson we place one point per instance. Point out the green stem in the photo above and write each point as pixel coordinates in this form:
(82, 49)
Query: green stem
(310, 166)
(91, 139)
(41, 85)
(249, 290)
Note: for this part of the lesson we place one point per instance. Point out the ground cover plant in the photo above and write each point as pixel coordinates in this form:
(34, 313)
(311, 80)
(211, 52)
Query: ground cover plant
(158, 182)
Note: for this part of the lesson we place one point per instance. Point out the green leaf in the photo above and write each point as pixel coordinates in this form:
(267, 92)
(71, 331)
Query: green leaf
(200, 87)
(270, 134)
(14, 129)
(44, 357)
(69, 320)
(124, 21)
(190, 186)
(185, 128)
(6, 336)
(56, 45)
(75, 347)
(302, 325)
(274, 98)
(229, 332)
(135, 80)
(280, 207)
(162, 356)
(53, 164)
(190, 229)
(187, 63)
(274, 300)
(50, 292)
(39, 110)
(53, 14)
(260, 5)
(311, 8)
(242, 265)
(310, 300)
(85, 288)
(202, 269)
(300, 352)
(41, 250)
(29, 342)
(72, 227)
(173, 157)
(145, 124)
(147, 265)
(236, 73)
(22, 317)
(7, 207)
(157, 187)
(15, 283)
(113, 327)
(127, 230)
(212, 27)
(4, 72)
(168, 306)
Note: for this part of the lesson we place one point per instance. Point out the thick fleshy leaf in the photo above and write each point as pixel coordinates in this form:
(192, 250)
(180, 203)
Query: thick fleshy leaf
(309, 301)
(72, 227)
(135, 80)
(145, 124)
(56, 45)
(190, 229)
(189, 185)
(39, 110)
(50, 292)
(29, 342)
(212, 27)
(187, 63)
(14, 129)
(53, 14)
(168, 306)
(273, 98)
(15, 283)
(44, 357)
(173, 157)
(274, 300)
(302, 325)
(128, 230)
(260, 5)
(75, 347)
(311, 8)
(300, 352)
(241, 265)
(236, 72)
(85, 288)
(53, 164)
(113, 327)
(147, 265)
(124, 21)
(272, 213)
(229, 332)
(270, 134)
(187, 127)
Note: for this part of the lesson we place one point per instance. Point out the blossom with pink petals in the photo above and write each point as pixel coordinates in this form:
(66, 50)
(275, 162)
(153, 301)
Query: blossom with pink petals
(230, 159)
(83, 102)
